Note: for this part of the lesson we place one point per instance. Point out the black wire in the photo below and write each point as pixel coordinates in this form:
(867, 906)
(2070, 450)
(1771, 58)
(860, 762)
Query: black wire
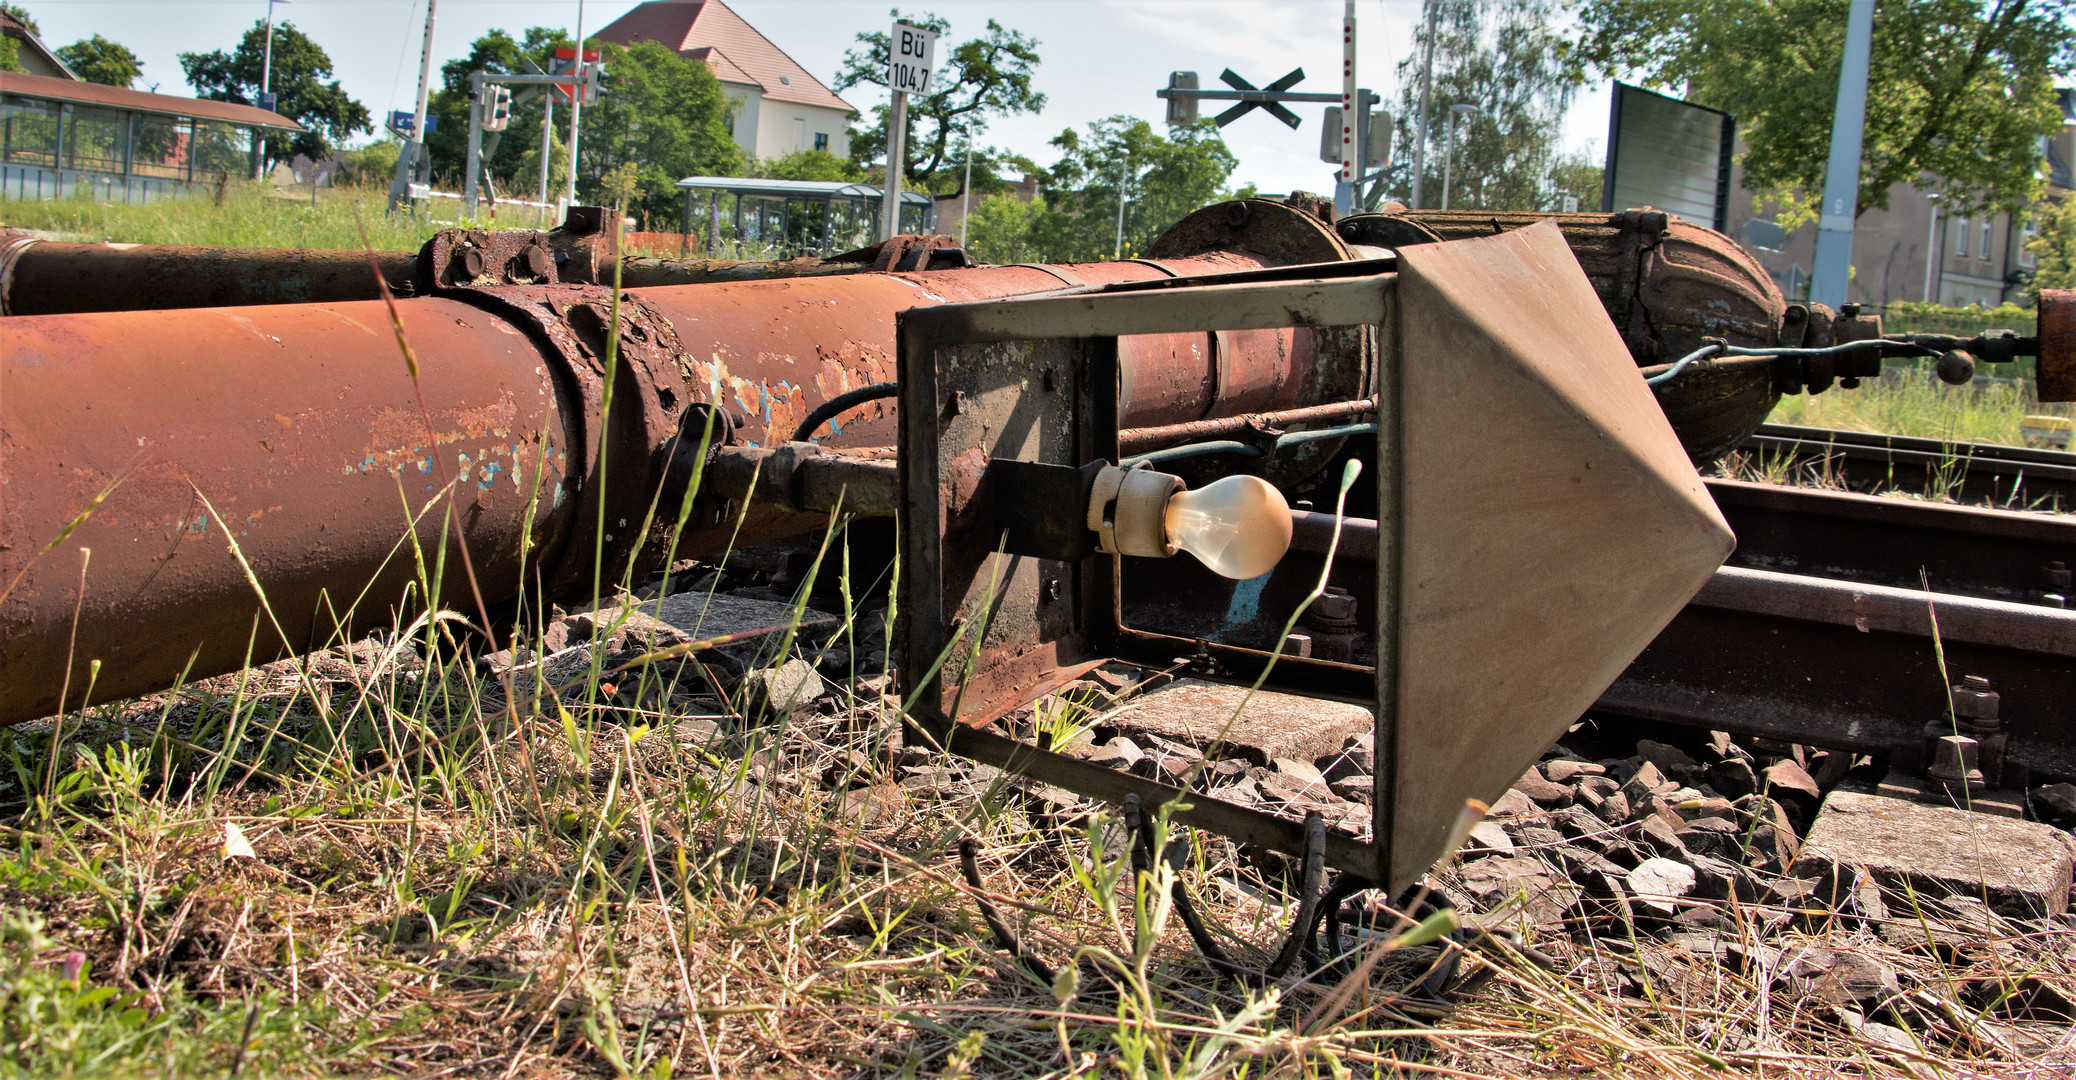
(840, 404)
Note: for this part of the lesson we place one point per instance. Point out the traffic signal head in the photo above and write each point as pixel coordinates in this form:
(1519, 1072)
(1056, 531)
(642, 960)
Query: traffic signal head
(497, 111)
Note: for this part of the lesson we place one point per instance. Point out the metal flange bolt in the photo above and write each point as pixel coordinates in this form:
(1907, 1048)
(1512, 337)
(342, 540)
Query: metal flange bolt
(1975, 705)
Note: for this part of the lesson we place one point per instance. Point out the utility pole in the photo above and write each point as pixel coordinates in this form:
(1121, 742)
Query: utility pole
(1931, 241)
(1124, 177)
(1426, 88)
(966, 193)
(407, 161)
(1832, 272)
(547, 145)
(474, 162)
(1351, 155)
(266, 94)
(576, 110)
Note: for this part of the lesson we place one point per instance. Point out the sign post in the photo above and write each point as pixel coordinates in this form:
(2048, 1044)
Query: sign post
(911, 54)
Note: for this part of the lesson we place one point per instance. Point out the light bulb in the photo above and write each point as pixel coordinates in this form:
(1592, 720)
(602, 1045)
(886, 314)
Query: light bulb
(1238, 526)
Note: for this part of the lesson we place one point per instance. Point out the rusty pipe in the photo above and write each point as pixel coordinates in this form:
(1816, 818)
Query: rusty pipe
(149, 460)
(779, 348)
(43, 277)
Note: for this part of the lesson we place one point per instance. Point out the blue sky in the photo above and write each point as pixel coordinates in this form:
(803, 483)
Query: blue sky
(1100, 57)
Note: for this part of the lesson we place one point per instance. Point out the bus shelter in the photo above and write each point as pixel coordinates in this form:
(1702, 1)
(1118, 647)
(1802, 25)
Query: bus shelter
(61, 137)
(745, 217)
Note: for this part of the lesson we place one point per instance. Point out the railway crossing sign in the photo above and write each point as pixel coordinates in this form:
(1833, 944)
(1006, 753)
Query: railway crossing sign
(1271, 105)
(1182, 95)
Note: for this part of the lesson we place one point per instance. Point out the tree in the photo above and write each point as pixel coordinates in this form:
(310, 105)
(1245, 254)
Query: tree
(1162, 179)
(328, 115)
(525, 177)
(1578, 174)
(1499, 56)
(11, 53)
(1001, 227)
(2055, 247)
(99, 60)
(809, 165)
(976, 81)
(660, 119)
(1958, 91)
(371, 165)
(500, 54)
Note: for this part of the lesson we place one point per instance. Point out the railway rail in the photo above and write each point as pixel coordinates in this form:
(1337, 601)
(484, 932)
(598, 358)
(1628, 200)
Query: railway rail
(1843, 620)
(2013, 477)
(1853, 622)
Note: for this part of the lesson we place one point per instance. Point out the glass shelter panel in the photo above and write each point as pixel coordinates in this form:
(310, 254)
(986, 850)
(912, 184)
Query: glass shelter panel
(28, 131)
(221, 150)
(160, 147)
(96, 139)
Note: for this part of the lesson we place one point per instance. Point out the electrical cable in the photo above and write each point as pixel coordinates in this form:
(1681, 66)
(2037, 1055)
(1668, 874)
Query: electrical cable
(1227, 446)
(1723, 348)
(840, 404)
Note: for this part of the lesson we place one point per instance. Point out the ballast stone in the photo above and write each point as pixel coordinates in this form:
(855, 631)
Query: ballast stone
(1270, 726)
(2023, 867)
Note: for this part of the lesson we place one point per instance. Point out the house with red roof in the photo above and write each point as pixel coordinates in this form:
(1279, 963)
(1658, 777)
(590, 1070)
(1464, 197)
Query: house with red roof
(779, 107)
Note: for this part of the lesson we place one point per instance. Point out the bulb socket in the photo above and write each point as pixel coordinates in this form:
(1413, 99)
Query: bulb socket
(1128, 509)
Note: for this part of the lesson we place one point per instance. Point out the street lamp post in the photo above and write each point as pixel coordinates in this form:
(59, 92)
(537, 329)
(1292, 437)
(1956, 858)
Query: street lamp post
(1932, 201)
(1449, 153)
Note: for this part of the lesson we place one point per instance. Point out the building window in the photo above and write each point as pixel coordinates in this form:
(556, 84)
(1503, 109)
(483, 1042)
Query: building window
(1986, 223)
(822, 141)
(1961, 236)
(2026, 236)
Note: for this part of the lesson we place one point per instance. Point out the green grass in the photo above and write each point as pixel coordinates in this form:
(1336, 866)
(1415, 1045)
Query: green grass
(1907, 400)
(247, 215)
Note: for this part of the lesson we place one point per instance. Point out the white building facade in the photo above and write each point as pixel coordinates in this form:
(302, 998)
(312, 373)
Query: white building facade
(780, 108)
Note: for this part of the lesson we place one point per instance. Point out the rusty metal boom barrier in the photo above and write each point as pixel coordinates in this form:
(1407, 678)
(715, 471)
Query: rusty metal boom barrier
(187, 492)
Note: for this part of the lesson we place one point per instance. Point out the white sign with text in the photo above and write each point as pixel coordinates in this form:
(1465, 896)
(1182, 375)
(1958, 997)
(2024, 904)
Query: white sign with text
(911, 55)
